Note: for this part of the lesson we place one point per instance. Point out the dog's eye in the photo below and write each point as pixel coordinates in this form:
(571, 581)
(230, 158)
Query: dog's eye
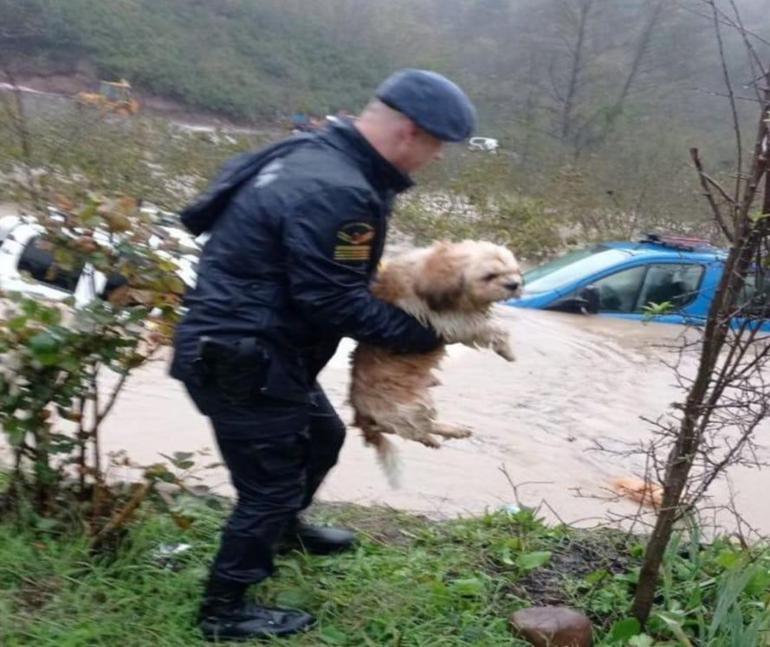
(491, 276)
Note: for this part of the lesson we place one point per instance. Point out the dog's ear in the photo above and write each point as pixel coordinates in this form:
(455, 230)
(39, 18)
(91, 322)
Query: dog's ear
(440, 281)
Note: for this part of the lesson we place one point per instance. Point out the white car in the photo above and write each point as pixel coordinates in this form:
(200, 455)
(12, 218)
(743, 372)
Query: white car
(28, 265)
(486, 144)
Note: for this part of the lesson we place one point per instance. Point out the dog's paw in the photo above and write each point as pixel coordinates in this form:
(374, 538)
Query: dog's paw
(451, 431)
(463, 432)
(429, 441)
(503, 348)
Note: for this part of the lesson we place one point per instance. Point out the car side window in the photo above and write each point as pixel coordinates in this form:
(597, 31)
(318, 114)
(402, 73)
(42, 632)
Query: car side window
(618, 292)
(39, 262)
(676, 284)
(755, 296)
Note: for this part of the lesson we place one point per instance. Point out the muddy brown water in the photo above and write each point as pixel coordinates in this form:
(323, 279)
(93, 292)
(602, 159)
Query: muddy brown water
(578, 381)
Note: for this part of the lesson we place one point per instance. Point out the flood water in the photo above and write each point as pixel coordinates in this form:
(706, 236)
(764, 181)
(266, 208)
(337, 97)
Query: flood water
(578, 381)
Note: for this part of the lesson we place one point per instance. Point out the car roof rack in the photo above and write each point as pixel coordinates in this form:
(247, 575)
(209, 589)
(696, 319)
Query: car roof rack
(675, 241)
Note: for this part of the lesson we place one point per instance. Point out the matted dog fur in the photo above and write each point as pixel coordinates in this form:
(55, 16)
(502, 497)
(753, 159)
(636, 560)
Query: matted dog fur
(451, 287)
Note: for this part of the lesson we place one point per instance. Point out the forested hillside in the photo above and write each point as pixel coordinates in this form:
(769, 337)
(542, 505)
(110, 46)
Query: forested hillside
(595, 102)
(573, 66)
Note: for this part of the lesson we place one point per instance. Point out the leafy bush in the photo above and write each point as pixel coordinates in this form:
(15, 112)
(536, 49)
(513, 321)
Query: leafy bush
(63, 366)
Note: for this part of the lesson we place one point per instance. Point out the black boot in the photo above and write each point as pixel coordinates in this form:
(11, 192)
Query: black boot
(317, 540)
(225, 615)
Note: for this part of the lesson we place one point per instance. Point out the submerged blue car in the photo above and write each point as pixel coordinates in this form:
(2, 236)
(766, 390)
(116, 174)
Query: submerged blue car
(631, 280)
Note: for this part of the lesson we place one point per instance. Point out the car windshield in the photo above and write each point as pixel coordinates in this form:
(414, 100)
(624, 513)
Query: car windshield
(570, 267)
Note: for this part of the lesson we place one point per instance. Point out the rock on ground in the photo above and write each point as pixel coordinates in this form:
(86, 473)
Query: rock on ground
(552, 627)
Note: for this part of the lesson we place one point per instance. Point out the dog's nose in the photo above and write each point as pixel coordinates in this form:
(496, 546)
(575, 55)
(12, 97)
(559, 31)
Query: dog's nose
(513, 286)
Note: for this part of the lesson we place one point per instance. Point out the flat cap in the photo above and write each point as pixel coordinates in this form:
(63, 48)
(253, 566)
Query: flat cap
(432, 101)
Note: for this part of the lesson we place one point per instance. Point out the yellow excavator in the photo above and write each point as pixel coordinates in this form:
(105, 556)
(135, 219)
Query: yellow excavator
(113, 97)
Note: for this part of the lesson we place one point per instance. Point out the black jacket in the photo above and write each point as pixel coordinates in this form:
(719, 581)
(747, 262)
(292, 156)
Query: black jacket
(297, 232)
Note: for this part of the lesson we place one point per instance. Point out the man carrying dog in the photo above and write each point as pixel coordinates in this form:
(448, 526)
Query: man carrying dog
(296, 232)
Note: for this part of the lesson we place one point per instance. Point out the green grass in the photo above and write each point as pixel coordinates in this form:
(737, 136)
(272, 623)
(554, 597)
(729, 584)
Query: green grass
(410, 582)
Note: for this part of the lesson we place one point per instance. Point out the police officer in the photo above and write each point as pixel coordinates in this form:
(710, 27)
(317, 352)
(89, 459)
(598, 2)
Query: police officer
(296, 232)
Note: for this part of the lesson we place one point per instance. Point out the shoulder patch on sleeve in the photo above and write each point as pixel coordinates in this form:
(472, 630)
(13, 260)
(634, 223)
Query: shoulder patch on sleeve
(354, 242)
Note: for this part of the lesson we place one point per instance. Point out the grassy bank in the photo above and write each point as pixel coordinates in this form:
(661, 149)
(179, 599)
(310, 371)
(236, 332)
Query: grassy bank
(410, 582)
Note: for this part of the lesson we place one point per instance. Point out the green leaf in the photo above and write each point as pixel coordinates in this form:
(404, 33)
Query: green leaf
(625, 629)
(531, 561)
(758, 583)
(43, 344)
(632, 577)
(46, 525)
(15, 431)
(159, 471)
(167, 477)
(641, 640)
(471, 587)
(507, 549)
(61, 444)
(180, 460)
(675, 626)
(331, 635)
(506, 557)
(727, 558)
(29, 307)
(296, 598)
(17, 323)
(72, 364)
(50, 316)
(637, 550)
(48, 359)
(597, 576)
(653, 309)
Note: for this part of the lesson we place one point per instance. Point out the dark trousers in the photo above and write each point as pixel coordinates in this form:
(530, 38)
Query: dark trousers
(278, 454)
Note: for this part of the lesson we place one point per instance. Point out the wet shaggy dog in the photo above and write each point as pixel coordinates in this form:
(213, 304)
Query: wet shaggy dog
(452, 287)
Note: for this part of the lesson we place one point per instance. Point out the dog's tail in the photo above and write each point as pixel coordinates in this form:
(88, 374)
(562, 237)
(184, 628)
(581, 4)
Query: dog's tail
(387, 455)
